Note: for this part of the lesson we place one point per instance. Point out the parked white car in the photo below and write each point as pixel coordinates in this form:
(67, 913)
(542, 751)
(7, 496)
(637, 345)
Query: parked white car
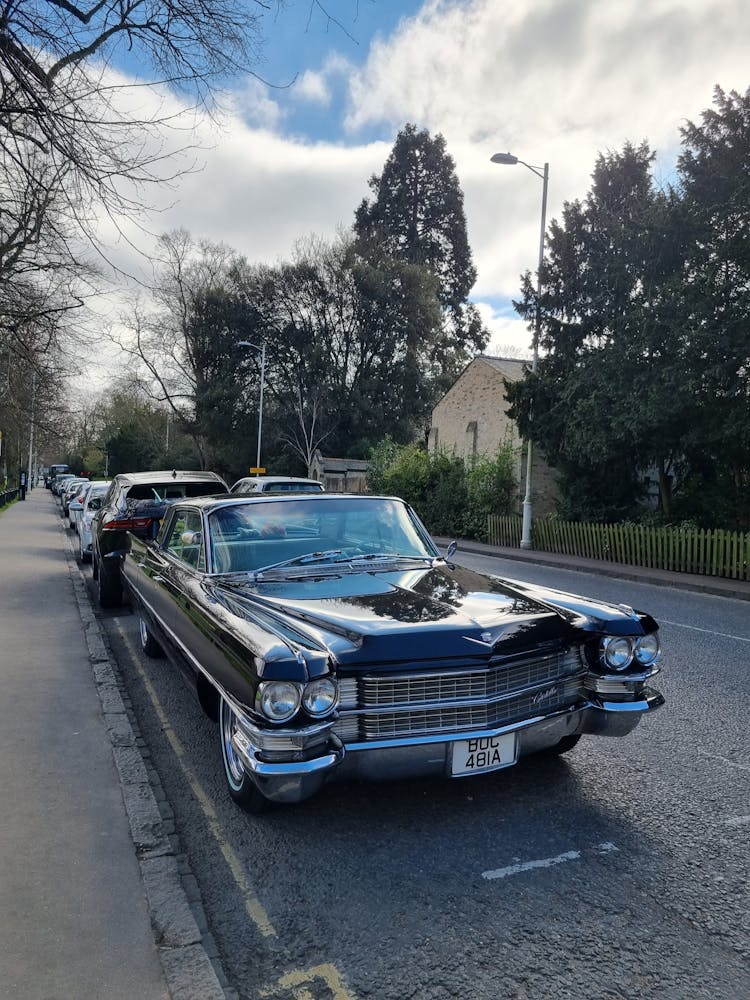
(69, 491)
(276, 484)
(91, 504)
(75, 500)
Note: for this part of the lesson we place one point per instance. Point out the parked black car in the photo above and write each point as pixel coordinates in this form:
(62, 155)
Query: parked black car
(329, 638)
(135, 504)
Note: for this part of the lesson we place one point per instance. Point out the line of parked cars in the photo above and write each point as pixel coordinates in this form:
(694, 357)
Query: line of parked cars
(330, 638)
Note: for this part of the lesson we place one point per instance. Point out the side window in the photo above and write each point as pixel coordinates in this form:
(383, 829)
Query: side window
(184, 538)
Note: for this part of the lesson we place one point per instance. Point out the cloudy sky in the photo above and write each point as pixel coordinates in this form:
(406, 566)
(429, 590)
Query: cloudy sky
(549, 80)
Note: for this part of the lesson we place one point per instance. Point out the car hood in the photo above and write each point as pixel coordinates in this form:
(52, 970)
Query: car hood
(421, 614)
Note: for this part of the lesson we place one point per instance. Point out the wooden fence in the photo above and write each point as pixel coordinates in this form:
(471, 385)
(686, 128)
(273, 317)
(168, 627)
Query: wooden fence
(683, 550)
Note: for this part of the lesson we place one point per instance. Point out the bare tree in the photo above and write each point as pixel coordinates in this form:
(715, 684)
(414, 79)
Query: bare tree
(183, 357)
(70, 138)
(306, 436)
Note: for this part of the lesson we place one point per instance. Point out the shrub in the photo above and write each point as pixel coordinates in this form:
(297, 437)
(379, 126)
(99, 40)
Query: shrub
(451, 497)
(492, 489)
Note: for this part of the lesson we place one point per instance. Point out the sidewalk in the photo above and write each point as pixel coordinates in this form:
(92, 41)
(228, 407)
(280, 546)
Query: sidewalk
(719, 586)
(89, 879)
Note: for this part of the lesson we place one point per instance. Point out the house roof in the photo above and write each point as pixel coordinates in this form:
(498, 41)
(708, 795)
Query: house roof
(511, 368)
(341, 464)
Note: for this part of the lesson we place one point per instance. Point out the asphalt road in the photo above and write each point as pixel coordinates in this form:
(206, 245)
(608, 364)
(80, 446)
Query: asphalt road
(620, 871)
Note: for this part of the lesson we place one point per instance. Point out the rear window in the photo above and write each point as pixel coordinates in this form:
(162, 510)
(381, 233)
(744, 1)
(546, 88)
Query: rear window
(283, 487)
(164, 492)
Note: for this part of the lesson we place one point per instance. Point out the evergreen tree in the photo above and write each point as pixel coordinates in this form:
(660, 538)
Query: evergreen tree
(646, 332)
(602, 397)
(715, 174)
(416, 215)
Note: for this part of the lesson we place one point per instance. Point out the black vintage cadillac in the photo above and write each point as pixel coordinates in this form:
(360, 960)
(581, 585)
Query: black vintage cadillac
(329, 638)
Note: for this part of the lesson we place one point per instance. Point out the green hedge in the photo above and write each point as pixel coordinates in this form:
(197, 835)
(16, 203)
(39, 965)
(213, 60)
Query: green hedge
(452, 496)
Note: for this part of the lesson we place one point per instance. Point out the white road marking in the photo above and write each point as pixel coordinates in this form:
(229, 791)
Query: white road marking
(708, 631)
(525, 866)
(724, 760)
(737, 821)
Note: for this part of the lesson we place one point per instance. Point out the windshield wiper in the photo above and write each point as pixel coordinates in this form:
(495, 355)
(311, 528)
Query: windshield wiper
(330, 555)
(387, 557)
(338, 557)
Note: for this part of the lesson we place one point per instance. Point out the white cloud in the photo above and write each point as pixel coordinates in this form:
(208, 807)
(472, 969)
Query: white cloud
(509, 335)
(554, 80)
(254, 105)
(313, 87)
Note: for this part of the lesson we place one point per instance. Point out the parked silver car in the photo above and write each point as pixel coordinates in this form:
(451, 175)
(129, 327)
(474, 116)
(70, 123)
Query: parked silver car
(276, 484)
(69, 491)
(75, 503)
(92, 502)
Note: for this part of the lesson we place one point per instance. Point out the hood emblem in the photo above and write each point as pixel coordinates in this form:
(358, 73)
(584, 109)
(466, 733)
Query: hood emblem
(485, 639)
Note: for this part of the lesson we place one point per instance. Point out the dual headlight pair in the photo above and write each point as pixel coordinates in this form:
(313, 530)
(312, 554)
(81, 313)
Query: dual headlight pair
(618, 651)
(278, 701)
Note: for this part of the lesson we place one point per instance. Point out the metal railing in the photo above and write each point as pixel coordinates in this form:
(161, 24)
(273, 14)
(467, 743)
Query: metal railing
(6, 496)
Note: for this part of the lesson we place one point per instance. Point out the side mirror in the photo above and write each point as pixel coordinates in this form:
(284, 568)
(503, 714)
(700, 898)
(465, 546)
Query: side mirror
(451, 550)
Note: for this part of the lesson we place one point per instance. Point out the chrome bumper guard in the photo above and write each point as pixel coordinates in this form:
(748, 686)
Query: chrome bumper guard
(294, 778)
(289, 780)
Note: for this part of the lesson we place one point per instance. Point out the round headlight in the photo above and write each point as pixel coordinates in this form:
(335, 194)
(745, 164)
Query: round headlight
(617, 652)
(278, 700)
(647, 649)
(320, 697)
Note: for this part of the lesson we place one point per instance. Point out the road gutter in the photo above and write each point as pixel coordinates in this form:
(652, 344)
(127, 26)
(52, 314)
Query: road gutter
(190, 973)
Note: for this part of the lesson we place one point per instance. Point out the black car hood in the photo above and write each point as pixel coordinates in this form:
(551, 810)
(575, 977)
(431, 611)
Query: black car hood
(426, 613)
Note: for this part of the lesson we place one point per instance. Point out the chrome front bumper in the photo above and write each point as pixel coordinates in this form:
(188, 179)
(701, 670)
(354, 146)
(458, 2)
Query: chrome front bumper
(294, 780)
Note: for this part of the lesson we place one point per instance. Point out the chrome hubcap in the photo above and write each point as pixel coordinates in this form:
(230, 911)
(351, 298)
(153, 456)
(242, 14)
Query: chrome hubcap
(228, 728)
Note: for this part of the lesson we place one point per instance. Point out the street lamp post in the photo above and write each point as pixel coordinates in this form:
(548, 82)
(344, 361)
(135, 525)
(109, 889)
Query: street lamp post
(543, 173)
(262, 349)
(29, 476)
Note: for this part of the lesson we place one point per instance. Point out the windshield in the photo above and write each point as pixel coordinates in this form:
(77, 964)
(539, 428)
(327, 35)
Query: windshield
(254, 535)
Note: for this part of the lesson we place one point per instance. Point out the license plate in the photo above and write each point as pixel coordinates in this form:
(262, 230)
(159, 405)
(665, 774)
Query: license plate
(485, 753)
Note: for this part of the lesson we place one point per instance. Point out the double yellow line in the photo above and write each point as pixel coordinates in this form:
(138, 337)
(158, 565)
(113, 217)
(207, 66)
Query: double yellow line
(299, 979)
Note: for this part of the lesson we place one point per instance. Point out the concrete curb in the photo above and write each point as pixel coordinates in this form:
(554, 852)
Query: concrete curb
(189, 971)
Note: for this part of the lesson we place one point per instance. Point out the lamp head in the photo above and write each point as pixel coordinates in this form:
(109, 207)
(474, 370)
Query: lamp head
(504, 158)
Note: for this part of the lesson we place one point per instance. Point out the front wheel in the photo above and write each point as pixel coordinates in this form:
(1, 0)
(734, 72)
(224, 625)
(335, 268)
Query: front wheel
(563, 746)
(241, 787)
(149, 645)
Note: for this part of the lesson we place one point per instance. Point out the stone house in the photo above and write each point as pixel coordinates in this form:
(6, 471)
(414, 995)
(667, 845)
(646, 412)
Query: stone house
(470, 420)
